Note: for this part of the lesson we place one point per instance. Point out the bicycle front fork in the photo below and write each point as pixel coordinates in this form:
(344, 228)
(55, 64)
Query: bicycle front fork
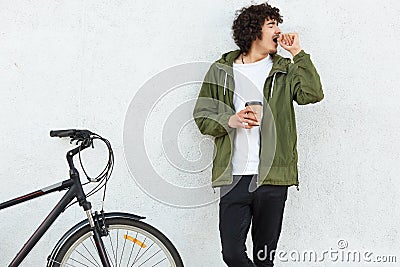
(97, 224)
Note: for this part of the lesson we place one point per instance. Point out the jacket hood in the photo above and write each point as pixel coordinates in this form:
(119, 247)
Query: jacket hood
(226, 62)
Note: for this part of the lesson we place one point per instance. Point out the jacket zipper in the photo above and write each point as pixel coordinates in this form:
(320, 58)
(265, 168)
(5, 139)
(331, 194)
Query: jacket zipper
(273, 82)
(270, 97)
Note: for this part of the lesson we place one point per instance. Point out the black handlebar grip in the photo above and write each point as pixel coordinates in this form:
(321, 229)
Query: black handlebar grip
(62, 133)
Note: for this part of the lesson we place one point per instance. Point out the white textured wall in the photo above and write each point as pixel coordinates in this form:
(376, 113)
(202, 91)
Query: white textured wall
(67, 64)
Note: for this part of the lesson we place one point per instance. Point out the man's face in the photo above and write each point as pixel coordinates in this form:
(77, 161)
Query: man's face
(269, 34)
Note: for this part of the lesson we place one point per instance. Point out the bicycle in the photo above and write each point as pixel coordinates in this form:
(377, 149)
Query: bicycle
(103, 238)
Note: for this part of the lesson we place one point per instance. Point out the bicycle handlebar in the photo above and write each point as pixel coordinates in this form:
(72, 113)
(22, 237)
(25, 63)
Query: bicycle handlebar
(84, 139)
(62, 133)
(72, 133)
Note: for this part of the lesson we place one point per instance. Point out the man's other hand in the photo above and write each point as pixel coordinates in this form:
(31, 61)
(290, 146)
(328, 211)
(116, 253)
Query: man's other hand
(243, 119)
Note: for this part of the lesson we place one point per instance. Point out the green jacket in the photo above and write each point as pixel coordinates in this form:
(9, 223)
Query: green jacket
(298, 81)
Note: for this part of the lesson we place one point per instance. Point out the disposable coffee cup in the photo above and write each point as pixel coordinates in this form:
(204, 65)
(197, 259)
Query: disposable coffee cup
(256, 107)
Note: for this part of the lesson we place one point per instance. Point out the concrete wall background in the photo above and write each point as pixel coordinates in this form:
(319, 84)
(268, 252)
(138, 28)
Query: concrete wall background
(68, 64)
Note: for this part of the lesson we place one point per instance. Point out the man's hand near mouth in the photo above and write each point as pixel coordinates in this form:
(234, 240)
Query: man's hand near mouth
(290, 42)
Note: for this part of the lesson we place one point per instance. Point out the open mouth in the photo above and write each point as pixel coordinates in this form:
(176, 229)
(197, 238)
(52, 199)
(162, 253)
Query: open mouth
(275, 39)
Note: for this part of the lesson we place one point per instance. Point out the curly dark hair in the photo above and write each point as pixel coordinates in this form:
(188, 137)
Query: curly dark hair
(248, 22)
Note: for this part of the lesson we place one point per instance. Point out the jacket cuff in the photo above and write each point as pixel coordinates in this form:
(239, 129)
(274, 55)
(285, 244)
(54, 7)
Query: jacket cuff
(299, 56)
(224, 120)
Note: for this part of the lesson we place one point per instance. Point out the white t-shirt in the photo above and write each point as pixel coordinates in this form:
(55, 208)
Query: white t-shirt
(249, 86)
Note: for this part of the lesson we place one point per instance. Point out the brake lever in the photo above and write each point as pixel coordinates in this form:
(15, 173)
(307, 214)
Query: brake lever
(75, 139)
(82, 137)
(79, 140)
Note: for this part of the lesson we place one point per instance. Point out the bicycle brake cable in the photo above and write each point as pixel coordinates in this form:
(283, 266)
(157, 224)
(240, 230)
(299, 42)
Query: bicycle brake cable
(104, 176)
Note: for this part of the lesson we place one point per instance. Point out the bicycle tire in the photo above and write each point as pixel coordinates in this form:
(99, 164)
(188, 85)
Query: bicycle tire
(132, 233)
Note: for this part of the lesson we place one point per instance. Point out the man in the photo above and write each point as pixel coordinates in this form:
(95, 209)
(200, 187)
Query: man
(254, 175)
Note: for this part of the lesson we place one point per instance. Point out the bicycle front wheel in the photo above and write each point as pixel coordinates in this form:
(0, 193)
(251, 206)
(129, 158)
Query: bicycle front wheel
(128, 243)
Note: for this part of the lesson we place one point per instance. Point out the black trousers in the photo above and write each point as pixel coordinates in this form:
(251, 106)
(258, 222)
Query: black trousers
(239, 207)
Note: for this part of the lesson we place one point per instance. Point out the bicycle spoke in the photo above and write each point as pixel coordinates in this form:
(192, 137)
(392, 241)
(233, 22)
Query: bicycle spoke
(149, 258)
(77, 251)
(91, 255)
(144, 253)
(130, 255)
(78, 262)
(112, 247)
(91, 239)
(134, 261)
(160, 262)
(67, 264)
(122, 253)
(116, 250)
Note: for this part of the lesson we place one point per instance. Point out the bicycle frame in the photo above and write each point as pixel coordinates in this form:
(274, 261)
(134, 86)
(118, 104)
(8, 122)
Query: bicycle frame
(75, 190)
(53, 215)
